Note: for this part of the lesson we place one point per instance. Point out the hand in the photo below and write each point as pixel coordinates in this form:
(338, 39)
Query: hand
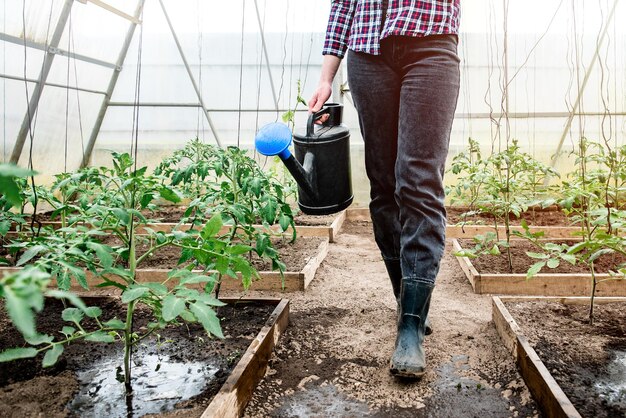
(321, 95)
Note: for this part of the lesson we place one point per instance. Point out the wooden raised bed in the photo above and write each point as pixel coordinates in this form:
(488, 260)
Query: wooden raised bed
(270, 280)
(544, 388)
(308, 231)
(234, 394)
(470, 231)
(542, 284)
(237, 391)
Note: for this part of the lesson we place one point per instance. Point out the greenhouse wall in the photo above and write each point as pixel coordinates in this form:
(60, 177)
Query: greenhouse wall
(547, 59)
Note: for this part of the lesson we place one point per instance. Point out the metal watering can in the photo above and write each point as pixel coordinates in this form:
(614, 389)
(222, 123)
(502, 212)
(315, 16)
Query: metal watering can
(321, 166)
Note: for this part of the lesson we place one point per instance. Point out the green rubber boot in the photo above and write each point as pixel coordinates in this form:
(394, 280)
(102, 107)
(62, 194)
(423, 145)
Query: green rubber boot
(408, 359)
(395, 275)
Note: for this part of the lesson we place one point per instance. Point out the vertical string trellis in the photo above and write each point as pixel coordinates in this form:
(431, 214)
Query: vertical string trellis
(134, 142)
(243, 27)
(200, 114)
(32, 119)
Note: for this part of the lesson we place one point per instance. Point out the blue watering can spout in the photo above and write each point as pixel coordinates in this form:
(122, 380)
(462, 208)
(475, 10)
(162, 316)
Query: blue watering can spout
(275, 139)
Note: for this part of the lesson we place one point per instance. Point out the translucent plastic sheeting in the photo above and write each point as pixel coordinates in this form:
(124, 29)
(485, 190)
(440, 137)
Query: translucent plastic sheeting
(550, 47)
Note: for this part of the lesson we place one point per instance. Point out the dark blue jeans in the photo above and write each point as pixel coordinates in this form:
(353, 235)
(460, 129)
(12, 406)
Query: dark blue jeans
(406, 98)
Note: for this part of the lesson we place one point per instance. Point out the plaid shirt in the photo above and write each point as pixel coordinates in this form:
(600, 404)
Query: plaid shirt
(355, 24)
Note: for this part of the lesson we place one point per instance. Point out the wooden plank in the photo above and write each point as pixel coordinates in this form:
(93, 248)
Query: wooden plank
(336, 225)
(550, 284)
(270, 280)
(358, 214)
(468, 268)
(570, 300)
(505, 325)
(236, 392)
(470, 231)
(309, 270)
(542, 284)
(545, 390)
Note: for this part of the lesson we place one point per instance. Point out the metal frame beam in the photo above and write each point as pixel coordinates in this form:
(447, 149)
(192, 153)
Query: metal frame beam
(54, 50)
(43, 76)
(581, 91)
(113, 10)
(112, 82)
(267, 58)
(191, 77)
(62, 86)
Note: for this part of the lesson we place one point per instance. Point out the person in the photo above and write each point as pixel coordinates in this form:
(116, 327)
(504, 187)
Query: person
(403, 74)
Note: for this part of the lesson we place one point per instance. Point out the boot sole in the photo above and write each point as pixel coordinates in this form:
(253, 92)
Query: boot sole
(407, 374)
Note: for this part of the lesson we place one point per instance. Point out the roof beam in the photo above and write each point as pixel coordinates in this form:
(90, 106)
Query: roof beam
(55, 50)
(38, 90)
(113, 10)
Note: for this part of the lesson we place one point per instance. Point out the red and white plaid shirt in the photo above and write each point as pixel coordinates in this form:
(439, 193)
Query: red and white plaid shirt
(355, 24)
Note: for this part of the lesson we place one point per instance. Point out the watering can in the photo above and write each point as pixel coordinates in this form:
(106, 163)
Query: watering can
(321, 165)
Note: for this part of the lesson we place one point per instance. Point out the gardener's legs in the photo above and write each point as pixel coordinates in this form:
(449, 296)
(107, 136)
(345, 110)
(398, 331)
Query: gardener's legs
(375, 88)
(430, 85)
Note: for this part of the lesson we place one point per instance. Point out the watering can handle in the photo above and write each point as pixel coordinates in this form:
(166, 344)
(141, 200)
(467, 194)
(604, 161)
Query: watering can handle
(312, 118)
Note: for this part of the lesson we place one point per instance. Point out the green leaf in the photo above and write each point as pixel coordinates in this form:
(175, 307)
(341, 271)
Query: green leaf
(239, 249)
(553, 263)
(100, 337)
(71, 297)
(122, 215)
(72, 315)
(534, 269)
(17, 353)
(29, 254)
(52, 355)
(197, 278)
(172, 307)
(93, 312)
(156, 288)
(207, 317)
(132, 294)
(188, 316)
(103, 253)
(20, 312)
(68, 331)
(284, 222)
(169, 195)
(212, 227)
(569, 258)
(39, 339)
(114, 324)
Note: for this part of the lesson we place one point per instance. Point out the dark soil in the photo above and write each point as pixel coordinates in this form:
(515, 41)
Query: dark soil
(173, 214)
(294, 255)
(538, 217)
(521, 262)
(27, 390)
(587, 361)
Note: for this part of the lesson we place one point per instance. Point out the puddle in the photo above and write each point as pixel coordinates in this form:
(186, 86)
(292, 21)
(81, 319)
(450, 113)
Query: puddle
(612, 386)
(157, 386)
(322, 401)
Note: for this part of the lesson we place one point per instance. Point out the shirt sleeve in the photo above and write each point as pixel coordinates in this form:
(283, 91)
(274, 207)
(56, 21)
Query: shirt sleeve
(338, 30)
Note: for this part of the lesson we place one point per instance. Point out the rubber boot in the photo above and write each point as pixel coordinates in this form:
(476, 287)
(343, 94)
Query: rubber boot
(408, 359)
(395, 275)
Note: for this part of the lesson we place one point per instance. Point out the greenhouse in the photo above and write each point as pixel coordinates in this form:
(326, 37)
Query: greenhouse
(323, 208)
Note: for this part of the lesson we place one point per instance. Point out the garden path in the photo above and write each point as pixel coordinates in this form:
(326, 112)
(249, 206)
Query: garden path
(333, 358)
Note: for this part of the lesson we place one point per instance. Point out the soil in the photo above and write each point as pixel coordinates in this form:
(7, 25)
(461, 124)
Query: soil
(587, 361)
(333, 358)
(27, 390)
(538, 217)
(521, 262)
(295, 255)
(173, 214)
